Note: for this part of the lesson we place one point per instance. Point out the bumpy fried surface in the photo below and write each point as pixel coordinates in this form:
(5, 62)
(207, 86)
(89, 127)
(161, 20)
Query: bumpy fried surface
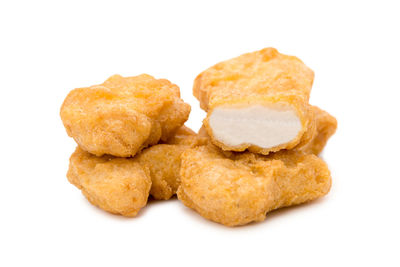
(123, 115)
(183, 136)
(263, 77)
(122, 185)
(326, 126)
(238, 188)
(117, 185)
(164, 161)
(261, 74)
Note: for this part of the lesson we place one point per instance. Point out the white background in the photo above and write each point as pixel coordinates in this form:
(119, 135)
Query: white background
(49, 48)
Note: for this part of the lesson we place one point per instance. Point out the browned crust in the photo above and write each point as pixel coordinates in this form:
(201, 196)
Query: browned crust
(262, 77)
(239, 188)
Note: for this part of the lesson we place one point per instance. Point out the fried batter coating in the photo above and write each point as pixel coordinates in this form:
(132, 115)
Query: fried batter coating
(183, 135)
(117, 185)
(122, 185)
(164, 161)
(123, 115)
(326, 127)
(257, 101)
(186, 136)
(238, 188)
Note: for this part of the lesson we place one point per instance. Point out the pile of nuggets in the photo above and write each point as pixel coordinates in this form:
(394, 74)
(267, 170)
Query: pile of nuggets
(256, 152)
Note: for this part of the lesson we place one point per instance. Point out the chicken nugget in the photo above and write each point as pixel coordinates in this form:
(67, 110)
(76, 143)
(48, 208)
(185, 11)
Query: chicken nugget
(123, 115)
(106, 182)
(117, 185)
(326, 126)
(239, 188)
(164, 161)
(257, 101)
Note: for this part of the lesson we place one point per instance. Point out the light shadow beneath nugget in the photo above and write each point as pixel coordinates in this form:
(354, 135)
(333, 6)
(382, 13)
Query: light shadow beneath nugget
(271, 216)
(151, 202)
(282, 212)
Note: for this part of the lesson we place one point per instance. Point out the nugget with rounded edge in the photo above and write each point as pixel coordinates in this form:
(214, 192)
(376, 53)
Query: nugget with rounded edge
(161, 163)
(123, 115)
(117, 185)
(257, 101)
(326, 126)
(164, 161)
(238, 188)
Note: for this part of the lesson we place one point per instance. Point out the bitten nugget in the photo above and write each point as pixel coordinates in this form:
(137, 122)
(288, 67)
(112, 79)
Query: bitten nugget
(238, 188)
(257, 101)
(123, 115)
(164, 161)
(117, 185)
(326, 126)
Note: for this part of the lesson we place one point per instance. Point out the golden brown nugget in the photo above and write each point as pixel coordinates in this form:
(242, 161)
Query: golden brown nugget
(123, 115)
(326, 126)
(257, 101)
(106, 182)
(117, 185)
(164, 161)
(239, 188)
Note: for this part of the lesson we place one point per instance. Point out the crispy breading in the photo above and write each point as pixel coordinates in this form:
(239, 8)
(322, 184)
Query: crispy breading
(326, 126)
(123, 115)
(164, 161)
(122, 185)
(117, 185)
(238, 188)
(267, 84)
